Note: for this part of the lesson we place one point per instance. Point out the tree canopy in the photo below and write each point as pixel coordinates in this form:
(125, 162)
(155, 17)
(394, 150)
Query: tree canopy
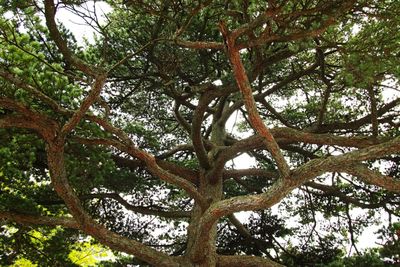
(151, 138)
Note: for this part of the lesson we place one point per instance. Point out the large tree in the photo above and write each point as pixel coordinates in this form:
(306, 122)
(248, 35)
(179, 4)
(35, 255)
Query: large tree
(182, 113)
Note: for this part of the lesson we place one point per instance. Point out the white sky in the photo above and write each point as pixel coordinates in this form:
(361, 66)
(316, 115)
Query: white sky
(77, 25)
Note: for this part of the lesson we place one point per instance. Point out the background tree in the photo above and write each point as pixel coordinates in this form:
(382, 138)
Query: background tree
(135, 139)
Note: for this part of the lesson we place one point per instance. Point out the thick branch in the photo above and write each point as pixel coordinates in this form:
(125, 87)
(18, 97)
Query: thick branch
(286, 136)
(243, 261)
(27, 119)
(254, 117)
(282, 187)
(373, 177)
(273, 195)
(196, 136)
(26, 219)
(346, 161)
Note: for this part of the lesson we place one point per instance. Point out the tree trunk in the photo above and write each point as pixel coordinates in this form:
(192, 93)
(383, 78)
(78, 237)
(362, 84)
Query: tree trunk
(202, 255)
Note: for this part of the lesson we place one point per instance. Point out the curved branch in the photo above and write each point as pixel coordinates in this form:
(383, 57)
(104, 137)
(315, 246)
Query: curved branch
(285, 136)
(151, 164)
(34, 91)
(26, 219)
(172, 151)
(335, 191)
(188, 174)
(55, 157)
(50, 11)
(289, 135)
(27, 119)
(347, 162)
(324, 128)
(254, 117)
(373, 177)
(282, 187)
(180, 119)
(87, 102)
(138, 209)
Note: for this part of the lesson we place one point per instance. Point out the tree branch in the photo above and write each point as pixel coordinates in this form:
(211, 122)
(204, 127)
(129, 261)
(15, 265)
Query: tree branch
(50, 11)
(374, 115)
(198, 44)
(87, 102)
(329, 190)
(55, 157)
(241, 261)
(196, 136)
(324, 128)
(26, 219)
(150, 162)
(254, 117)
(372, 177)
(282, 187)
(346, 161)
(34, 91)
(138, 209)
(27, 119)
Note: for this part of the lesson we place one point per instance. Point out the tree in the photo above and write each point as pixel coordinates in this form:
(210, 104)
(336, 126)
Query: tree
(135, 139)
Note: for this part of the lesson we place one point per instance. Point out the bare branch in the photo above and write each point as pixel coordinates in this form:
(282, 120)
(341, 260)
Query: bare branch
(329, 190)
(359, 122)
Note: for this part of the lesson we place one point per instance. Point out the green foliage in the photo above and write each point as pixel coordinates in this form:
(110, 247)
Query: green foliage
(370, 258)
(39, 247)
(86, 254)
(317, 84)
